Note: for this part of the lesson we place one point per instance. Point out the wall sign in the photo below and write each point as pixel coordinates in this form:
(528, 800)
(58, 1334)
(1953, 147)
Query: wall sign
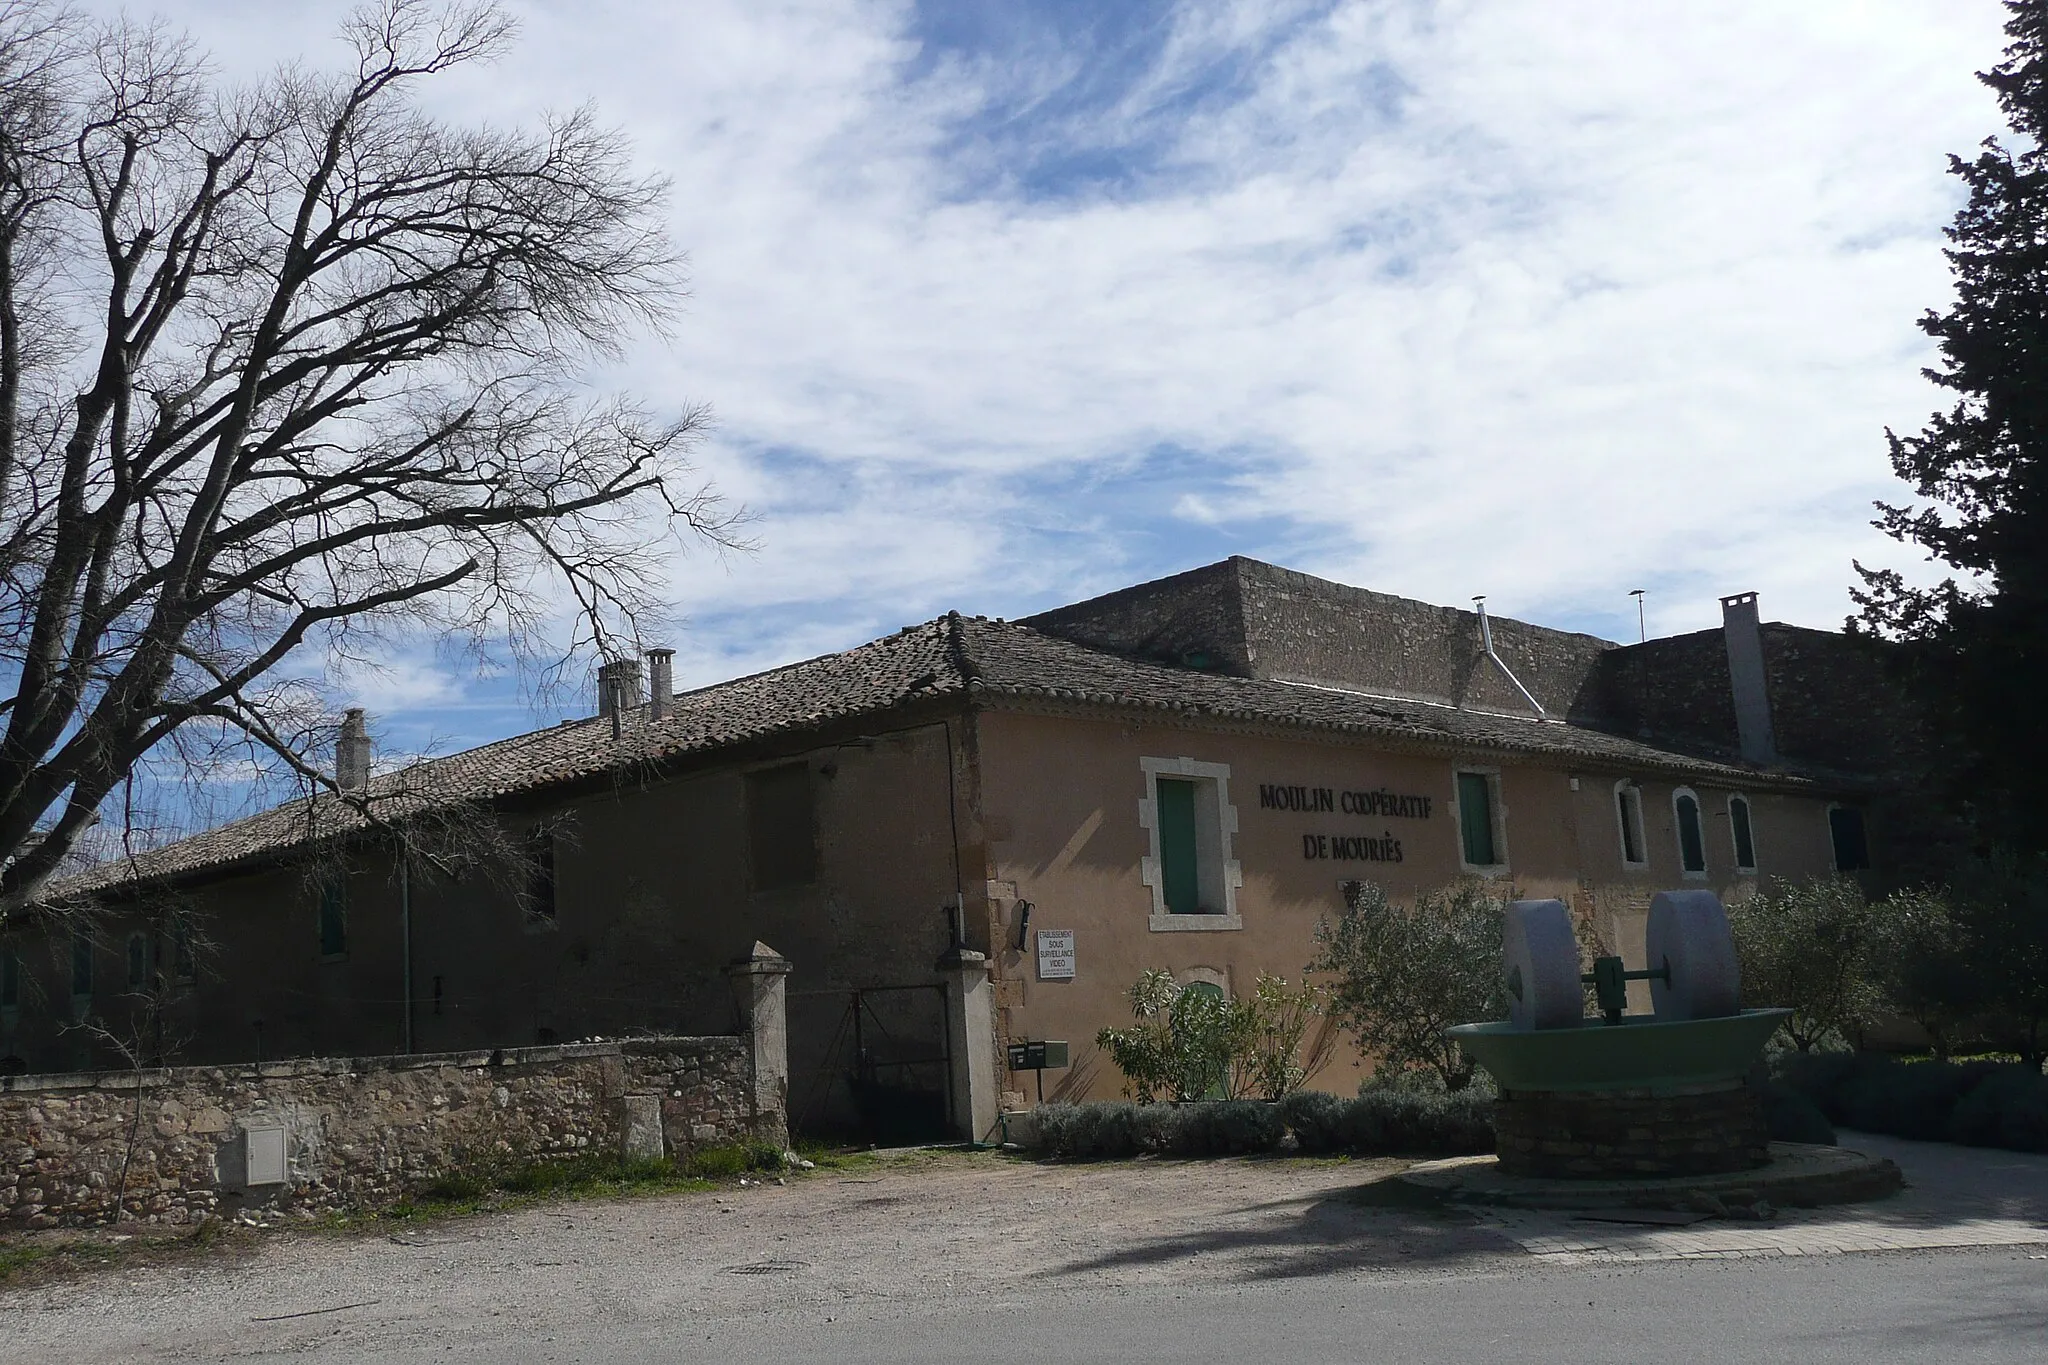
(1346, 848)
(1055, 954)
(1383, 803)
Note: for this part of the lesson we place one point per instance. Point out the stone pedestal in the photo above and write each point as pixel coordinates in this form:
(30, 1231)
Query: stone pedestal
(971, 1043)
(759, 987)
(1613, 1134)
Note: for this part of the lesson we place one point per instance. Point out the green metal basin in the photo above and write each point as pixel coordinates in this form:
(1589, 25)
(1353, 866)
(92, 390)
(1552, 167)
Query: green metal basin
(1636, 1054)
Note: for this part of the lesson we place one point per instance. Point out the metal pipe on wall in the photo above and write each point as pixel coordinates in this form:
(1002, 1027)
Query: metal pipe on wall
(1486, 640)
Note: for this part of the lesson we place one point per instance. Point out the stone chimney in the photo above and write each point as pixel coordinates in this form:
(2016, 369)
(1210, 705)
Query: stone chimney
(618, 688)
(1743, 634)
(352, 753)
(661, 687)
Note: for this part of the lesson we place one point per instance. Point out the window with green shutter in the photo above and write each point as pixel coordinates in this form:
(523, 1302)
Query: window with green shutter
(1179, 869)
(1745, 839)
(333, 917)
(1692, 846)
(1852, 845)
(1475, 819)
(81, 962)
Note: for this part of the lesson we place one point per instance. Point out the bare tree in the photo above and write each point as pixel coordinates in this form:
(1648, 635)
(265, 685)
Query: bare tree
(288, 370)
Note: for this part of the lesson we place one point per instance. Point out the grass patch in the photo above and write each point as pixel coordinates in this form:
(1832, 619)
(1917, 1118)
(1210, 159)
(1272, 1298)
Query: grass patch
(33, 1258)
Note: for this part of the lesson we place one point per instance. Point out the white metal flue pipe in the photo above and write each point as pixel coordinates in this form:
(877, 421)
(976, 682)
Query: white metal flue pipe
(1486, 641)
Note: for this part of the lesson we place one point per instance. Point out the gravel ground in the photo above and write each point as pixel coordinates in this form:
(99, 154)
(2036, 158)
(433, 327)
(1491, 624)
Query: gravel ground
(922, 1252)
(911, 1227)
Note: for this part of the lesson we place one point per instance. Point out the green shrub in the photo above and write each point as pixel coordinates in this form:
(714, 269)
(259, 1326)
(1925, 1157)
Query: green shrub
(1192, 1043)
(1316, 1118)
(1086, 1132)
(1910, 1099)
(1792, 1117)
(1980, 1104)
(1823, 1077)
(1378, 1123)
(1409, 1122)
(2008, 1108)
(1226, 1128)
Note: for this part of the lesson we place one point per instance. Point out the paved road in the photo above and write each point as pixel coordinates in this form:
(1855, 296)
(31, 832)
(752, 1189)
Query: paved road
(979, 1257)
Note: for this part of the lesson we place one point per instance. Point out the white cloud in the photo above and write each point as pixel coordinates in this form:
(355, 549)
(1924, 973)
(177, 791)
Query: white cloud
(1548, 300)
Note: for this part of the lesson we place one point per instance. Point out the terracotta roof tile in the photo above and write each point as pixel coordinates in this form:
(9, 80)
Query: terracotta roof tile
(970, 657)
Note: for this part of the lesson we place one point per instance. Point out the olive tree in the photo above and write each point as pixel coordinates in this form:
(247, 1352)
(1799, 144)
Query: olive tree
(1404, 974)
(290, 371)
(1816, 948)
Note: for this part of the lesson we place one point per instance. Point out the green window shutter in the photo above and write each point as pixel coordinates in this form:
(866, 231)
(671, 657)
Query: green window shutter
(81, 962)
(1692, 849)
(1745, 842)
(1180, 882)
(1631, 826)
(333, 918)
(1852, 846)
(1475, 818)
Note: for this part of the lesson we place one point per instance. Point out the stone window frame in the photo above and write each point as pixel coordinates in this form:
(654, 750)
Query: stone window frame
(1699, 812)
(1218, 775)
(1755, 859)
(1630, 788)
(1496, 798)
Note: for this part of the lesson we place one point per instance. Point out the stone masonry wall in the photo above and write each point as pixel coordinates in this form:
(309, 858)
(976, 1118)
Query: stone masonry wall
(359, 1132)
(1614, 1135)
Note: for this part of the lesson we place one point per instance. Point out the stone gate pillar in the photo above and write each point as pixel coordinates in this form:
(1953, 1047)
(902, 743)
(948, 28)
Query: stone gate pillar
(759, 986)
(971, 1042)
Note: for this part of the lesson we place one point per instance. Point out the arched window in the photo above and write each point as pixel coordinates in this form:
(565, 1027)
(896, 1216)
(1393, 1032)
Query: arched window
(1628, 813)
(1692, 843)
(1744, 833)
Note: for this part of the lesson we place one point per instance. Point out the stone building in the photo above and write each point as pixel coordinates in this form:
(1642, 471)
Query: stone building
(975, 832)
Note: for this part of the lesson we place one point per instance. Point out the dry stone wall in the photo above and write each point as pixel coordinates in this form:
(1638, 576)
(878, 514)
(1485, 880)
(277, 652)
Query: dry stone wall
(183, 1143)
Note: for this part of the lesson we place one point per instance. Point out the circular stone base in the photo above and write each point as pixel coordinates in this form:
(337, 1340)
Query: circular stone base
(1631, 1134)
(1798, 1175)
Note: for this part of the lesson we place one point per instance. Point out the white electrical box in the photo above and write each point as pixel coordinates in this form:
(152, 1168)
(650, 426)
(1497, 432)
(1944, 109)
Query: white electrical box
(263, 1156)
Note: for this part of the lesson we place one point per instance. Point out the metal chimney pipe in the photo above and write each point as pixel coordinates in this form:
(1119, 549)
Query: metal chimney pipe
(660, 680)
(352, 752)
(618, 688)
(1486, 642)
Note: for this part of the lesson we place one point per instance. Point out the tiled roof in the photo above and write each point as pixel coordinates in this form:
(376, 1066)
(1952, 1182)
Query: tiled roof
(968, 657)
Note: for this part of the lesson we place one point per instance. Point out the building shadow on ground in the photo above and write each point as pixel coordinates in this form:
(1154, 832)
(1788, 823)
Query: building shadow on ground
(1383, 1224)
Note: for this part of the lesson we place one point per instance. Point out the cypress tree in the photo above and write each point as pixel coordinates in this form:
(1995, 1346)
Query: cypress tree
(1977, 650)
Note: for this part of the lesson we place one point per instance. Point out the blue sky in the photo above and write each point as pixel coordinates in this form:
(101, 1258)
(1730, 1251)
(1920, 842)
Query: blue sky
(1002, 304)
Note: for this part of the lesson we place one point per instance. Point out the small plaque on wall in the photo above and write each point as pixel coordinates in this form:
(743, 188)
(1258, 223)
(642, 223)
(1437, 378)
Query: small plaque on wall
(1055, 954)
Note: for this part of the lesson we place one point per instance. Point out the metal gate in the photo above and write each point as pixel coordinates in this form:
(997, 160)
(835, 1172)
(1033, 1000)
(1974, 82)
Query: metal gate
(871, 1064)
